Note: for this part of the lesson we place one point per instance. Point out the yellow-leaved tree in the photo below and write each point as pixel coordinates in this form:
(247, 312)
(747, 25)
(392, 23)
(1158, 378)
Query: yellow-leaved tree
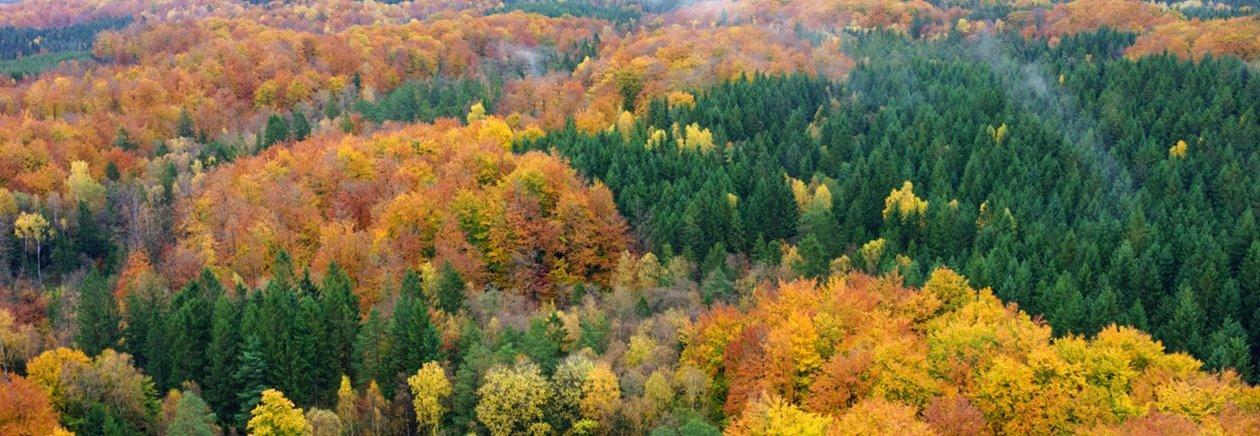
(429, 387)
(275, 415)
(601, 395)
(513, 400)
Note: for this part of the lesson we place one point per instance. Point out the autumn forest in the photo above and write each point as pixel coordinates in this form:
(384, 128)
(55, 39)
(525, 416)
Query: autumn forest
(629, 217)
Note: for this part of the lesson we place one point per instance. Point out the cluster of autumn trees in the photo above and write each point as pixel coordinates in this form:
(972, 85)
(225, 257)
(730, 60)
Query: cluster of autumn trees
(858, 355)
(438, 194)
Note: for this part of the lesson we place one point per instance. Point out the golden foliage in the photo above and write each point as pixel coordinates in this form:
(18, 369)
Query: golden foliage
(874, 357)
(905, 204)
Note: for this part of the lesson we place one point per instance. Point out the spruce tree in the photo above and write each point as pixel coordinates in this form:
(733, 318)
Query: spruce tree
(97, 315)
(371, 351)
(251, 377)
(414, 340)
(1228, 349)
(277, 130)
(450, 289)
(222, 357)
(341, 317)
(184, 127)
(301, 127)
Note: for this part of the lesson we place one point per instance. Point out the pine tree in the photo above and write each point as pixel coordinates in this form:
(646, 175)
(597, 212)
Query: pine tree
(450, 289)
(97, 315)
(301, 127)
(193, 417)
(277, 130)
(251, 377)
(1184, 329)
(123, 140)
(717, 287)
(814, 263)
(414, 339)
(317, 371)
(1136, 317)
(341, 315)
(1228, 348)
(222, 358)
(371, 351)
(184, 127)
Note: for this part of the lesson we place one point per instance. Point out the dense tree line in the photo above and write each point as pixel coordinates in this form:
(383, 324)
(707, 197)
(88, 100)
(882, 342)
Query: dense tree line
(18, 42)
(429, 99)
(1087, 187)
(612, 12)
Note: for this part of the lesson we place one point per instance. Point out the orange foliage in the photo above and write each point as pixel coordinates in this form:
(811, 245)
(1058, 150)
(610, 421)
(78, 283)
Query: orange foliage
(427, 193)
(863, 356)
(1088, 15)
(24, 407)
(829, 16)
(1193, 39)
(231, 73)
(665, 60)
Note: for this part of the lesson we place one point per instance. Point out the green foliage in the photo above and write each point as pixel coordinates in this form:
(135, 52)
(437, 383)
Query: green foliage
(97, 315)
(184, 127)
(414, 339)
(277, 130)
(193, 417)
(429, 99)
(450, 289)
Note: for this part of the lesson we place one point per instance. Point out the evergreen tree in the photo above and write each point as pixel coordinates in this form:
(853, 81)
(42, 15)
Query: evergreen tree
(222, 358)
(123, 140)
(193, 417)
(251, 377)
(414, 339)
(341, 315)
(301, 127)
(317, 372)
(450, 289)
(184, 127)
(717, 286)
(97, 315)
(1228, 348)
(814, 263)
(371, 351)
(277, 130)
(1184, 329)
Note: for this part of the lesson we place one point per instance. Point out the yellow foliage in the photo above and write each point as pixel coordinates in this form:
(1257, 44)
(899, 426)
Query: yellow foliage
(601, 395)
(82, 187)
(905, 204)
(495, 129)
(625, 125)
(640, 350)
(476, 113)
(696, 138)
(512, 399)
(876, 416)
(31, 227)
(998, 134)
(46, 371)
(872, 252)
(429, 386)
(679, 98)
(275, 415)
(775, 417)
(1179, 150)
(356, 164)
(8, 203)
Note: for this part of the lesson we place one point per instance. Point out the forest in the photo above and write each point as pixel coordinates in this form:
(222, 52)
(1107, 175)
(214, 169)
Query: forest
(618, 217)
